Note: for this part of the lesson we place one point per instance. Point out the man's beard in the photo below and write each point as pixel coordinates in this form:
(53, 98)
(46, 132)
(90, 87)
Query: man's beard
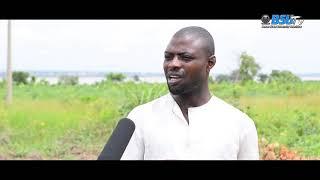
(184, 89)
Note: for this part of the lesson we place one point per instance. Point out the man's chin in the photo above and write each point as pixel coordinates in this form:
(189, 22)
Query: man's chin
(176, 90)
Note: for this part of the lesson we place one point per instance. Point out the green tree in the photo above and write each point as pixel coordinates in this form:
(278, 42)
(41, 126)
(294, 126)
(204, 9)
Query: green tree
(248, 67)
(283, 76)
(68, 80)
(115, 77)
(235, 76)
(20, 77)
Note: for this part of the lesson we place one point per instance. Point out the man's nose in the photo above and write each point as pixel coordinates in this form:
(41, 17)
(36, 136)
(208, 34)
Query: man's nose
(175, 63)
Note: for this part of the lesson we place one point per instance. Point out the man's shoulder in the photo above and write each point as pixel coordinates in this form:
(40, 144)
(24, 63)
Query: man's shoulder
(156, 102)
(231, 111)
(225, 106)
(143, 110)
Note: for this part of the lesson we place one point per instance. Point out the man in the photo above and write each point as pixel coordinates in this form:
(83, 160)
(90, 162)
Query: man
(189, 123)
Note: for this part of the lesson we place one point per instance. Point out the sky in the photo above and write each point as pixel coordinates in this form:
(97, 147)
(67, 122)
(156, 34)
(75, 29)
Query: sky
(138, 45)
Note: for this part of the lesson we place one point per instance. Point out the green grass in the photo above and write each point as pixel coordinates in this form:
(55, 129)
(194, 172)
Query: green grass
(290, 120)
(74, 122)
(33, 125)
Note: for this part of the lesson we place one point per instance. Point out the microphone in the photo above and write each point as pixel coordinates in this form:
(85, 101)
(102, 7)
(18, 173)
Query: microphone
(118, 141)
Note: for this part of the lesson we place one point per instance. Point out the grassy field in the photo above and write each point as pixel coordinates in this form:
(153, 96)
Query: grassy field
(74, 122)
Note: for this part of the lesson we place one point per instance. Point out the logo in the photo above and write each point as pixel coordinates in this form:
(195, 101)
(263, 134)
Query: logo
(265, 19)
(281, 21)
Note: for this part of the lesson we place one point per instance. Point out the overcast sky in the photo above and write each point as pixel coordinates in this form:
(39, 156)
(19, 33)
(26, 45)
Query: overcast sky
(138, 45)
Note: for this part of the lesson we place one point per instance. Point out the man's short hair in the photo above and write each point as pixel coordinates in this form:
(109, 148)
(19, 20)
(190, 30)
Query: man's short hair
(200, 33)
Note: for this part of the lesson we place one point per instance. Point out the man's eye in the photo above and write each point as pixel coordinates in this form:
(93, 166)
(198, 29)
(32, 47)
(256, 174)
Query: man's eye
(186, 58)
(167, 58)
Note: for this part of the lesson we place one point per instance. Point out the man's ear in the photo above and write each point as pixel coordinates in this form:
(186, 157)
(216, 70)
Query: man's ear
(211, 62)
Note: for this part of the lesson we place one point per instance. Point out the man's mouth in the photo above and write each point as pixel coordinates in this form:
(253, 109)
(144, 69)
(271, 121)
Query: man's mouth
(174, 79)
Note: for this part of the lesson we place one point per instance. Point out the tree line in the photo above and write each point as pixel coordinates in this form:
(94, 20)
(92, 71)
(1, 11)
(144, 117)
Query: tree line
(22, 77)
(247, 70)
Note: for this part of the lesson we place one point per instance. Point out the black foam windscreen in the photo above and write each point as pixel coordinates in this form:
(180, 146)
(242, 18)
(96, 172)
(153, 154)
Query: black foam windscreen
(118, 140)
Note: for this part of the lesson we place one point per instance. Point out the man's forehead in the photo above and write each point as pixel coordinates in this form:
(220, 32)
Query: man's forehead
(186, 43)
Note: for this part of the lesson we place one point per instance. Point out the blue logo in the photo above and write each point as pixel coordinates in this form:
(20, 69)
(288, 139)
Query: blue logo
(281, 21)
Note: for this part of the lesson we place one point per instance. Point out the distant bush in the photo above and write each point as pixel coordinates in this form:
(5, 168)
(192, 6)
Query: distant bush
(33, 80)
(2, 82)
(136, 78)
(68, 80)
(283, 76)
(211, 80)
(223, 78)
(263, 77)
(20, 77)
(115, 77)
(43, 82)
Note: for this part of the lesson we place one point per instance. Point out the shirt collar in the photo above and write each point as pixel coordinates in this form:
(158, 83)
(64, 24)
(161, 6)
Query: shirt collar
(176, 109)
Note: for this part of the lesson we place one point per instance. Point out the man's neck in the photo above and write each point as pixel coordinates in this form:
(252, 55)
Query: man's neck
(191, 100)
